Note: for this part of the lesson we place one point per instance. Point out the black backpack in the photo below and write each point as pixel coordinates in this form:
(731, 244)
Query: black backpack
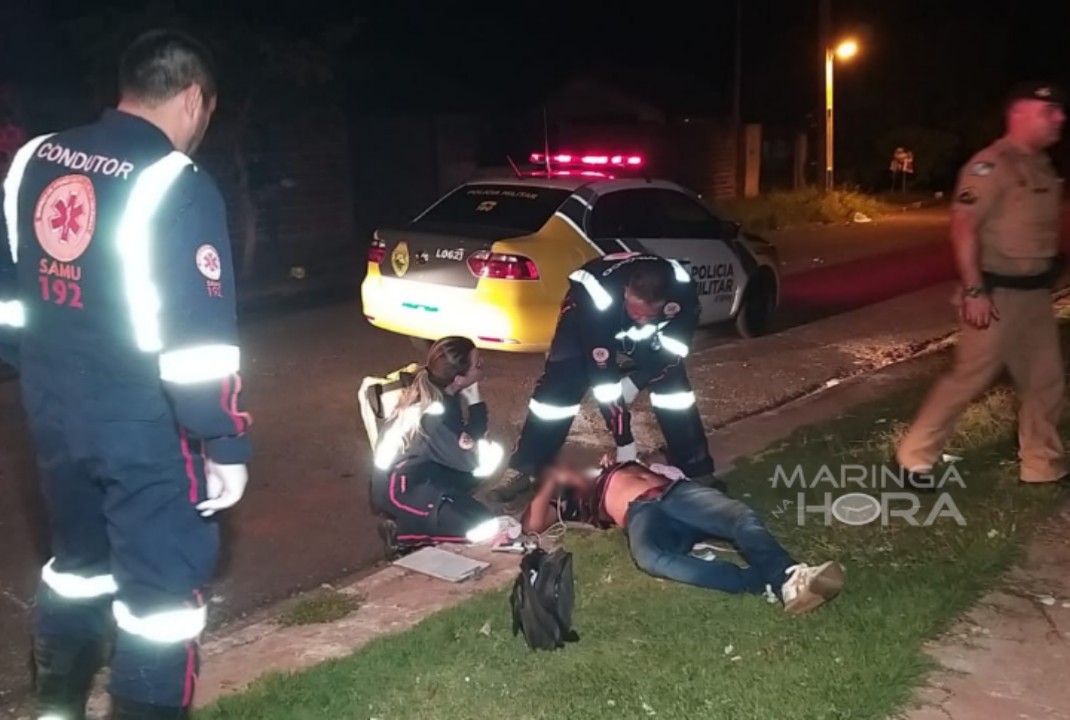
(542, 599)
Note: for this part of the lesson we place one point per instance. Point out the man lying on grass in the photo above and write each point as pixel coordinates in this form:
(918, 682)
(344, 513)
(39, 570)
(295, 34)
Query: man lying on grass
(664, 515)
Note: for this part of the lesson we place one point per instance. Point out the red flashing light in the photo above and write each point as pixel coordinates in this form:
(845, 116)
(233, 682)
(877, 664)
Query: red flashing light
(589, 160)
(376, 251)
(484, 264)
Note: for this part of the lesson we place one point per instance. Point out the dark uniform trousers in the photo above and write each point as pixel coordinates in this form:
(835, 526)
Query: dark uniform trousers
(120, 496)
(564, 383)
(430, 502)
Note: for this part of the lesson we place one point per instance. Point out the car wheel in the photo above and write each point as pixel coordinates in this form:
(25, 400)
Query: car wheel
(756, 313)
(421, 344)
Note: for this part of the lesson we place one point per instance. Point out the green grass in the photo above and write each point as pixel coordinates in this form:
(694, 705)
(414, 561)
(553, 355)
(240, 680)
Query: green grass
(651, 648)
(777, 210)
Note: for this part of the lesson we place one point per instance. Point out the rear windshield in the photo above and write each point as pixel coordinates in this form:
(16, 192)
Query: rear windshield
(512, 207)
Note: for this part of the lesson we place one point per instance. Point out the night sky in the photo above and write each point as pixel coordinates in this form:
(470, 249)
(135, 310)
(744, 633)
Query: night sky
(940, 64)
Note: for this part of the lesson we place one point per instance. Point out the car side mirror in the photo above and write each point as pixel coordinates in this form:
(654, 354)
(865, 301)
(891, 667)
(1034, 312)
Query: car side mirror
(729, 229)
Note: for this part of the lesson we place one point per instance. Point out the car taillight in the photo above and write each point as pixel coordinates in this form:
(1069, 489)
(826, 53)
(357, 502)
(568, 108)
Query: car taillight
(501, 266)
(376, 251)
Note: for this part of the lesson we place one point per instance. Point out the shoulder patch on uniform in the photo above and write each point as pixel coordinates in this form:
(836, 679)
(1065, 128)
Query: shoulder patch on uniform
(208, 262)
(981, 168)
(466, 442)
(600, 355)
(967, 196)
(671, 309)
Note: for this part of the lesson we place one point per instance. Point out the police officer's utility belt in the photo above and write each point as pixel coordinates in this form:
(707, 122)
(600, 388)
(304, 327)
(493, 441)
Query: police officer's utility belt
(1040, 281)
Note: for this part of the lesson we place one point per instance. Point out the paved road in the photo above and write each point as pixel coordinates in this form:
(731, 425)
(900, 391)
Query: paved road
(303, 521)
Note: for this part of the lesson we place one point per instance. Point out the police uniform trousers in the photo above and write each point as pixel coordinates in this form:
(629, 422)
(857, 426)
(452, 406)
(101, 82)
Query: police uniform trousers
(673, 401)
(130, 552)
(429, 502)
(1025, 342)
(565, 381)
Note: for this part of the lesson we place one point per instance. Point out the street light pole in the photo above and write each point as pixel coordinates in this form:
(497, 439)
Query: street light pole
(844, 50)
(829, 58)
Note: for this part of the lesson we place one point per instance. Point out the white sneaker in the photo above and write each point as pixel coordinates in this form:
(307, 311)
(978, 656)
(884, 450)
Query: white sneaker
(808, 587)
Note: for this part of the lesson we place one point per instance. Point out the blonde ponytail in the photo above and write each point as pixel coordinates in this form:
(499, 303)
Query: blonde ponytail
(412, 406)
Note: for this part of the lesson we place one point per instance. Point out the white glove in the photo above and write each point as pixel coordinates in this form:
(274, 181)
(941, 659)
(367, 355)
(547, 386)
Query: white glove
(670, 471)
(490, 456)
(472, 395)
(627, 453)
(226, 485)
(630, 390)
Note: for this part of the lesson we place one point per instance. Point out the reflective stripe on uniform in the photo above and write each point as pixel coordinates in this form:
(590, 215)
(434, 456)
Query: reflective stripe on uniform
(169, 626)
(77, 587)
(199, 364)
(638, 334)
(673, 345)
(483, 532)
(136, 242)
(681, 274)
(599, 295)
(544, 411)
(390, 445)
(11, 191)
(12, 314)
(608, 393)
(672, 401)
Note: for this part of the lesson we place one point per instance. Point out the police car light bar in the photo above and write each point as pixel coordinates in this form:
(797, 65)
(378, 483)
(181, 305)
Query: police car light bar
(589, 160)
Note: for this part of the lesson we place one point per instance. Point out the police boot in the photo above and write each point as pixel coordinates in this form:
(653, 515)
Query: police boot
(63, 675)
(388, 533)
(712, 481)
(123, 709)
(513, 486)
(918, 482)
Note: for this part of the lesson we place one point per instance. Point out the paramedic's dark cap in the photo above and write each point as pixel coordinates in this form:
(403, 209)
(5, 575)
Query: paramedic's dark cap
(1047, 92)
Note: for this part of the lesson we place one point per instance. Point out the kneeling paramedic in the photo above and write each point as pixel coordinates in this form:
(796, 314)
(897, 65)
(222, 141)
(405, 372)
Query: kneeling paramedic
(121, 311)
(664, 514)
(434, 452)
(647, 307)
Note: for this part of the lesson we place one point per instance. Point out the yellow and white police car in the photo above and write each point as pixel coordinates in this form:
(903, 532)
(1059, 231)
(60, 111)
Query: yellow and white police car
(490, 260)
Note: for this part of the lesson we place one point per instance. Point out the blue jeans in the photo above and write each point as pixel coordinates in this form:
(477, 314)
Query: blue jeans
(662, 532)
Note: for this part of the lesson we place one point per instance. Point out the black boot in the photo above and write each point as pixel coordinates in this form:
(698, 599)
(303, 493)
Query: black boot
(123, 709)
(63, 675)
(388, 533)
(712, 481)
(513, 486)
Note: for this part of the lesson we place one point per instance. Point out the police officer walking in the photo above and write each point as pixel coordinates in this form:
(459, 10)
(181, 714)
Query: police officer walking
(1005, 230)
(119, 309)
(647, 307)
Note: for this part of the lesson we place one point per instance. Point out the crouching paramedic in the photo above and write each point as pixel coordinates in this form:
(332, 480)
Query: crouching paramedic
(434, 452)
(122, 325)
(647, 307)
(664, 515)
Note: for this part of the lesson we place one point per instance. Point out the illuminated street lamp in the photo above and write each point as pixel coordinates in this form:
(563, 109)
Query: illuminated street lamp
(844, 51)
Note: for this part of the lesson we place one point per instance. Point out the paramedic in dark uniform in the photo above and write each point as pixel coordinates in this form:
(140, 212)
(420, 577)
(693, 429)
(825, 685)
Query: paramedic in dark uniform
(647, 307)
(1005, 224)
(434, 451)
(121, 322)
